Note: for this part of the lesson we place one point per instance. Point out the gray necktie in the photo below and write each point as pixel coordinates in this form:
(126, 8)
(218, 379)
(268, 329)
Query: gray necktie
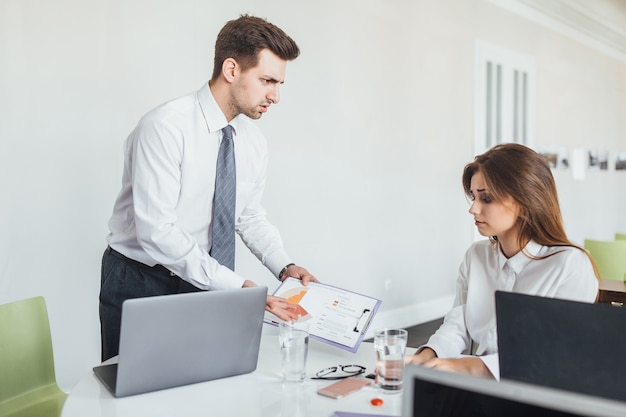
(223, 246)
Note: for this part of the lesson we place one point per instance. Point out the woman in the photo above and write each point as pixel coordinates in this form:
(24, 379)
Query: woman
(515, 204)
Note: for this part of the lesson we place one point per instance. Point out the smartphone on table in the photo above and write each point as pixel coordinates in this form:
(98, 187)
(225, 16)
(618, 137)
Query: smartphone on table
(343, 387)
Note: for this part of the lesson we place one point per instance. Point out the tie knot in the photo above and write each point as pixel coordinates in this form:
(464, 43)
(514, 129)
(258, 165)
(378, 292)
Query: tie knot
(227, 131)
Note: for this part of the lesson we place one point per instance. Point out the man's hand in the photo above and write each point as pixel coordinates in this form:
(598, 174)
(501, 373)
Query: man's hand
(300, 273)
(281, 308)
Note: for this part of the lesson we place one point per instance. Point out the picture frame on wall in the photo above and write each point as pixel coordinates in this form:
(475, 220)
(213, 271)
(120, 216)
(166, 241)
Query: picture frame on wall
(620, 161)
(557, 156)
(598, 159)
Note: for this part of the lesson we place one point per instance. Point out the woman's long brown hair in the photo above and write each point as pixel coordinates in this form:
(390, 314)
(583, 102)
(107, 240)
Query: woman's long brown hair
(517, 171)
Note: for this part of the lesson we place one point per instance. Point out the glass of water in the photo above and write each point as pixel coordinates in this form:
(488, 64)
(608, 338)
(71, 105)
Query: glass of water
(294, 346)
(390, 345)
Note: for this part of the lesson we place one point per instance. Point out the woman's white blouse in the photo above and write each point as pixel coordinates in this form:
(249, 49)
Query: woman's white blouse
(567, 274)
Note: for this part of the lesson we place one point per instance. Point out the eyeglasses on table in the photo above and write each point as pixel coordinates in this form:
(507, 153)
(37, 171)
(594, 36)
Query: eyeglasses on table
(339, 372)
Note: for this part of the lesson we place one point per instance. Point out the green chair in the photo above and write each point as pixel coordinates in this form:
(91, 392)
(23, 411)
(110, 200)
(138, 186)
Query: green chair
(28, 386)
(620, 236)
(610, 257)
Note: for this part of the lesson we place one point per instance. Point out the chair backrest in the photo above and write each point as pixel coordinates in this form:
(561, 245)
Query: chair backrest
(27, 378)
(610, 257)
(620, 236)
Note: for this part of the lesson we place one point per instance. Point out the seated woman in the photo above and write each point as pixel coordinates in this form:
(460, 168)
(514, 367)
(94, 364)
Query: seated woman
(515, 204)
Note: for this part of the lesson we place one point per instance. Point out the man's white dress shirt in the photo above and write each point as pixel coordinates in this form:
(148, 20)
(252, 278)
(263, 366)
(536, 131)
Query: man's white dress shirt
(163, 212)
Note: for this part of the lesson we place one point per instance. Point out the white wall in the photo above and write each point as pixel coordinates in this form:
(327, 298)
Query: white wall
(366, 147)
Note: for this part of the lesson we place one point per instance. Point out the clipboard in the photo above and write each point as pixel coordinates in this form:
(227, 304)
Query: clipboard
(337, 316)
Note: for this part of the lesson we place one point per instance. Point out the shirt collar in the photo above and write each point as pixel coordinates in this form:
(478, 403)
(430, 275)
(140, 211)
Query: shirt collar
(213, 115)
(518, 261)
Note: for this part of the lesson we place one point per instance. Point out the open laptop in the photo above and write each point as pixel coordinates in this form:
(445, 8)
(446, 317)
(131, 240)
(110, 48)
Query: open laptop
(172, 340)
(433, 393)
(562, 344)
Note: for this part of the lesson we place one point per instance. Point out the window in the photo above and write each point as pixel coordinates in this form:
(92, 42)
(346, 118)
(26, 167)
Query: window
(504, 85)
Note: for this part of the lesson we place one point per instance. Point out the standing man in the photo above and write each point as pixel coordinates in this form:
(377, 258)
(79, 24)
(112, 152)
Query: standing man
(194, 174)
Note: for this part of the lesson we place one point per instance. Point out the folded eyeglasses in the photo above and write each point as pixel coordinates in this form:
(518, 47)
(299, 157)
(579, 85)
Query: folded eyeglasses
(339, 372)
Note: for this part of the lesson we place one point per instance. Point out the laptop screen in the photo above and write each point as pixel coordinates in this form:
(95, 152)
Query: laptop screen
(431, 393)
(562, 344)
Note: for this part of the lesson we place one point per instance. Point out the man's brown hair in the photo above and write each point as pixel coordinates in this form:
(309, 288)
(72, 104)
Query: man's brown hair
(242, 39)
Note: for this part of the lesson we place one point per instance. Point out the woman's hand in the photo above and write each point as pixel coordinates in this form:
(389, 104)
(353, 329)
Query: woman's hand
(470, 365)
(422, 357)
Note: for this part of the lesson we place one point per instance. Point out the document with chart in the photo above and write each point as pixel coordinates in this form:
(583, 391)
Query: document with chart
(337, 316)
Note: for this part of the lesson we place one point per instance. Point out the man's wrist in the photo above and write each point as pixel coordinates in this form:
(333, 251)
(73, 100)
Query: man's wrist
(282, 271)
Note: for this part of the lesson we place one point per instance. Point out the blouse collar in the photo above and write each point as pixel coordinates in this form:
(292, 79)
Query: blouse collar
(518, 261)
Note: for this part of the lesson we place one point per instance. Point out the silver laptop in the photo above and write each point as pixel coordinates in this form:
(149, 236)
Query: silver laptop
(432, 393)
(173, 340)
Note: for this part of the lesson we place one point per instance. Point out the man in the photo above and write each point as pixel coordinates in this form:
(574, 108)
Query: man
(183, 192)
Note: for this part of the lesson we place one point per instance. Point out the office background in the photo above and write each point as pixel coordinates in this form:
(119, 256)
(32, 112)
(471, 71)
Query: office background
(367, 145)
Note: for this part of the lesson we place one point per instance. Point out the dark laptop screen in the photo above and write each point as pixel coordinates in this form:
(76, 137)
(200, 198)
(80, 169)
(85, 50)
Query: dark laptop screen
(562, 344)
(436, 400)
(432, 393)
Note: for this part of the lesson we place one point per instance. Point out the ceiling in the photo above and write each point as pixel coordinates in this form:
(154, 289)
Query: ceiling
(599, 23)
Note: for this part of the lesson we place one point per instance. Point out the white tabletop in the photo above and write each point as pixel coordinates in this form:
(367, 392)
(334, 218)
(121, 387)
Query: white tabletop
(261, 393)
